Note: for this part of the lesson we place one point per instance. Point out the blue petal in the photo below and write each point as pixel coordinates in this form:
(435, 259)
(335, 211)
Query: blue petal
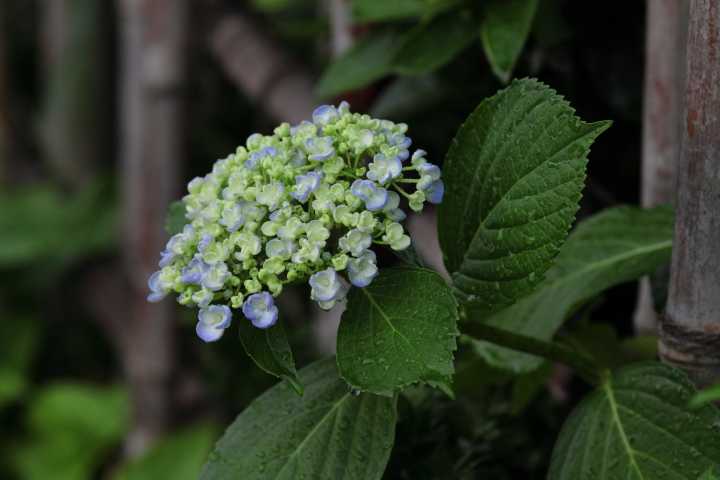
(209, 333)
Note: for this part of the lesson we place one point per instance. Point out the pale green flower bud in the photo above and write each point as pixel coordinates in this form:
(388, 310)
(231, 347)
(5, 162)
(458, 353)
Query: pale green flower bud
(395, 237)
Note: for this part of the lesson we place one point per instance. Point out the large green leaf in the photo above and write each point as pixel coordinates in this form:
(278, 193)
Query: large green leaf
(612, 247)
(710, 394)
(270, 350)
(513, 177)
(326, 433)
(399, 330)
(431, 45)
(503, 31)
(368, 60)
(638, 426)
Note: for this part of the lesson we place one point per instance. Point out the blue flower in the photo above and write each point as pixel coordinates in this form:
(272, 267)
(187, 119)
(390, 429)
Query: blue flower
(306, 184)
(213, 322)
(325, 115)
(430, 183)
(374, 197)
(214, 278)
(319, 148)
(195, 271)
(384, 169)
(362, 270)
(271, 195)
(253, 162)
(326, 288)
(355, 242)
(161, 283)
(261, 310)
(391, 208)
(232, 218)
(400, 141)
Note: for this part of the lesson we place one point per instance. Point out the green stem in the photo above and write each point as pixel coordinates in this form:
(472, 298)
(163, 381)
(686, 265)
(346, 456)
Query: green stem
(401, 190)
(408, 180)
(586, 367)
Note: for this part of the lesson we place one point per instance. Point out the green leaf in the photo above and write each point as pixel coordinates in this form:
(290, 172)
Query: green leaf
(410, 256)
(503, 32)
(178, 457)
(513, 176)
(380, 10)
(615, 246)
(271, 5)
(368, 60)
(326, 433)
(270, 350)
(710, 394)
(12, 385)
(638, 426)
(176, 219)
(398, 330)
(431, 45)
(405, 95)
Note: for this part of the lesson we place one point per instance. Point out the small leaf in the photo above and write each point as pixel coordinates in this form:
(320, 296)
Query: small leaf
(270, 350)
(710, 394)
(368, 60)
(379, 10)
(612, 247)
(504, 31)
(399, 330)
(327, 433)
(431, 45)
(410, 256)
(176, 219)
(513, 176)
(638, 425)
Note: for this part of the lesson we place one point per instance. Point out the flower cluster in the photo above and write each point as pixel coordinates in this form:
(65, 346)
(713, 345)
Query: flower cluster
(305, 203)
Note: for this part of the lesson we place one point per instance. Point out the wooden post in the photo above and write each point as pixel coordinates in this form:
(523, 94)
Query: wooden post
(152, 75)
(690, 329)
(665, 46)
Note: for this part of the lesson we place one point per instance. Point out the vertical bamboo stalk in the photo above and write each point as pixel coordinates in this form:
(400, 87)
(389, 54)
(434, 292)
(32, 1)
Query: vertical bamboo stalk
(690, 330)
(665, 46)
(152, 74)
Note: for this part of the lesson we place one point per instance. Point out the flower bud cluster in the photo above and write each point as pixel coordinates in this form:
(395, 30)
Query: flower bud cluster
(302, 204)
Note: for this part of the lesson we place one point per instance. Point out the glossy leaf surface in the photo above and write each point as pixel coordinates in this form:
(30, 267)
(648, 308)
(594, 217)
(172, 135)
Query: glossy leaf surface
(612, 247)
(399, 330)
(513, 178)
(639, 426)
(326, 433)
(270, 350)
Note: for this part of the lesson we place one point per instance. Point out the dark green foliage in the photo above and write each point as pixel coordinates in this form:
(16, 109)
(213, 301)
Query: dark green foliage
(433, 44)
(176, 219)
(613, 247)
(514, 174)
(326, 433)
(638, 425)
(399, 330)
(270, 350)
(410, 256)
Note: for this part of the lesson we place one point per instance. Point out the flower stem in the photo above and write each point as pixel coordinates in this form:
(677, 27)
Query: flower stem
(587, 368)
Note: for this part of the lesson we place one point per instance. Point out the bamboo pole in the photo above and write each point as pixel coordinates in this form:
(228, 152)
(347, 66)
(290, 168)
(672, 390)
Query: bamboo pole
(690, 328)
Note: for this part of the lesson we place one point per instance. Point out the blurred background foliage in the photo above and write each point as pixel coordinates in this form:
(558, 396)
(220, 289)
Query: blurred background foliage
(65, 399)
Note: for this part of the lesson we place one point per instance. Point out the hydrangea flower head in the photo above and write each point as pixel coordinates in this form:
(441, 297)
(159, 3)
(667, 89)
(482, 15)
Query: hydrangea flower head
(303, 204)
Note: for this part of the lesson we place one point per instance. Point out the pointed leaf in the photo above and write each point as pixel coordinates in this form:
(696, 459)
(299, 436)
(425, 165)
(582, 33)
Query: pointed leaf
(368, 60)
(431, 45)
(410, 256)
(399, 330)
(270, 350)
(514, 174)
(638, 426)
(612, 247)
(710, 394)
(326, 433)
(504, 31)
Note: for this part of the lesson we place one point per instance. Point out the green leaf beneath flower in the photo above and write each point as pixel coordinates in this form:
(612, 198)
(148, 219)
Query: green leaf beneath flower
(399, 330)
(326, 433)
(513, 178)
(270, 350)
